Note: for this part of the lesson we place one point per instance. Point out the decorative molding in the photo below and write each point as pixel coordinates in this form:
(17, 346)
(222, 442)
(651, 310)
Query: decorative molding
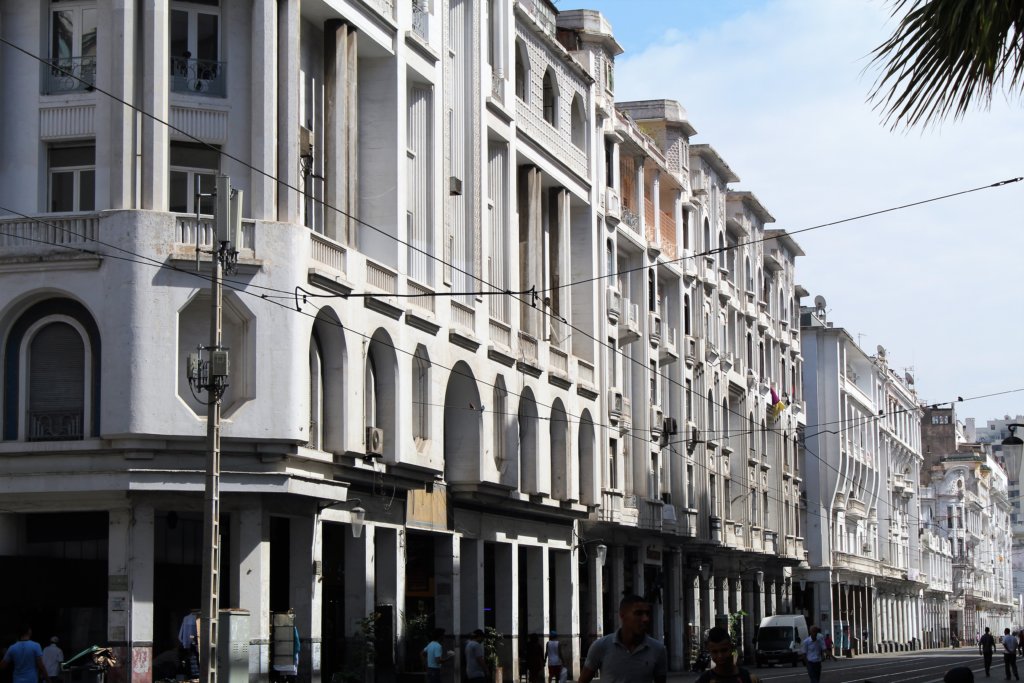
(67, 121)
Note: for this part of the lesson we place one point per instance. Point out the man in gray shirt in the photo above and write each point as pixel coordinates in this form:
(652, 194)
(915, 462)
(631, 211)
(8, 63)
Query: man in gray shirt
(629, 655)
(476, 664)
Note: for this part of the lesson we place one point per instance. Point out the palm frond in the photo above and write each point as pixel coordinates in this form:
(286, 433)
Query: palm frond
(946, 55)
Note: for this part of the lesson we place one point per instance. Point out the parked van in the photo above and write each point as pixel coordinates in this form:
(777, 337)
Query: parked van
(780, 639)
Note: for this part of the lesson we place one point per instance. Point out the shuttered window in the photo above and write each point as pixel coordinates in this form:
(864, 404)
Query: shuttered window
(56, 385)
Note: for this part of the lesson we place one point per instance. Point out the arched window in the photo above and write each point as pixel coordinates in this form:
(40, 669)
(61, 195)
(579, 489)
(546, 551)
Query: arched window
(749, 274)
(380, 383)
(56, 383)
(652, 291)
(522, 73)
(721, 249)
(420, 396)
(711, 415)
(706, 245)
(750, 351)
(499, 420)
(316, 392)
(550, 98)
(687, 326)
(51, 374)
(579, 122)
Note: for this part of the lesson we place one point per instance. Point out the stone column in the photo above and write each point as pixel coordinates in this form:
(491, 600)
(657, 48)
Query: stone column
(360, 579)
(304, 592)
(564, 575)
(707, 605)
(115, 138)
(594, 628)
(674, 600)
(389, 548)
(131, 588)
(506, 608)
(156, 85)
(769, 597)
(119, 582)
(721, 588)
(447, 602)
(656, 201)
(263, 114)
(471, 585)
(750, 597)
(251, 528)
(288, 69)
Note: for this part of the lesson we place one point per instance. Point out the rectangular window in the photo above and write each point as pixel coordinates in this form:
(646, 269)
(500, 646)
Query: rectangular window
(764, 509)
(72, 46)
(72, 179)
(613, 464)
(690, 502)
(195, 48)
(188, 162)
(419, 154)
(713, 495)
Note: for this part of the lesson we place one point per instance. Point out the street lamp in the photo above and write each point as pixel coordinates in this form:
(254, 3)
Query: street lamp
(357, 514)
(1013, 450)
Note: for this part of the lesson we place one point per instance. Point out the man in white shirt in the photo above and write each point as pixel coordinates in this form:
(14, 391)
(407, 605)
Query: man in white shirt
(1010, 654)
(814, 649)
(52, 657)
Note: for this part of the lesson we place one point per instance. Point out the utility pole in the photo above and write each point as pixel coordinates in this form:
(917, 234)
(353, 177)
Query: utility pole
(209, 372)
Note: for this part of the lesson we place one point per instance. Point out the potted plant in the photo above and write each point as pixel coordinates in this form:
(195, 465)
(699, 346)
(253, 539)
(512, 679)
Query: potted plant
(492, 641)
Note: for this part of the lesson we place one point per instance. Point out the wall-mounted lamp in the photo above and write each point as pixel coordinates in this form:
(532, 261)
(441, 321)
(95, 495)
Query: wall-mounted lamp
(600, 550)
(705, 571)
(803, 585)
(358, 514)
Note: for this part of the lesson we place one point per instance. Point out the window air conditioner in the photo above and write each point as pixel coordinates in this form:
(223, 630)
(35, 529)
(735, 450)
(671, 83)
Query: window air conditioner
(374, 441)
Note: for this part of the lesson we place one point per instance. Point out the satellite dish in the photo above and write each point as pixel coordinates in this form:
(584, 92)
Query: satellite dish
(910, 379)
(819, 302)
(881, 351)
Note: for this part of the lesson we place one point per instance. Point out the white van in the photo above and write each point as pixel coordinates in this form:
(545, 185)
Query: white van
(779, 640)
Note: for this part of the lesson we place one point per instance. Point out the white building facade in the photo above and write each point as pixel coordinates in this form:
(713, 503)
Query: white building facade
(524, 329)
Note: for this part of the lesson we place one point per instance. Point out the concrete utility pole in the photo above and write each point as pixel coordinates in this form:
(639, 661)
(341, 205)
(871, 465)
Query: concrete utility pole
(210, 374)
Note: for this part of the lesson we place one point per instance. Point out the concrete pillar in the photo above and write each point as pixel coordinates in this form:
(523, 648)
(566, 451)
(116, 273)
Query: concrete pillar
(616, 168)
(360, 579)
(471, 581)
(564, 576)
(639, 198)
(750, 607)
(707, 605)
(656, 201)
(304, 592)
(769, 597)
(389, 545)
(720, 588)
(156, 85)
(263, 115)
(252, 529)
(288, 70)
(119, 578)
(447, 603)
(594, 627)
(140, 572)
(506, 607)
(9, 526)
(674, 600)
(617, 558)
(115, 137)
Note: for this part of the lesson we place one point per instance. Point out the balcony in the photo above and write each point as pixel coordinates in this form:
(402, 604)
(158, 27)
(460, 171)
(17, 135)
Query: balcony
(650, 515)
(688, 522)
(611, 506)
(420, 18)
(198, 77)
(612, 209)
(62, 425)
(629, 329)
(691, 350)
(631, 219)
(69, 74)
(668, 352)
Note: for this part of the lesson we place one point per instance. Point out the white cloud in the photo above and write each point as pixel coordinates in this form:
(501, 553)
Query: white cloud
(780, 92)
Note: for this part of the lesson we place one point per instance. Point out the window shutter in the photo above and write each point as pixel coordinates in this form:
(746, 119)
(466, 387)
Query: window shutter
(57, 372)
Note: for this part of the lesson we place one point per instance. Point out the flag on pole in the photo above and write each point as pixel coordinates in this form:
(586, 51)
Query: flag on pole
(776, 407)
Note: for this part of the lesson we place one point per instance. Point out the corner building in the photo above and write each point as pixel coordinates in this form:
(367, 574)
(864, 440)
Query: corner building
(524, 327)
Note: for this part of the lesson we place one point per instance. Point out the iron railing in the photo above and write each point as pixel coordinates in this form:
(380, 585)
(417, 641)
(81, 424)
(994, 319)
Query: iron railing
(55, 425)
(69, 74)
(198, 76)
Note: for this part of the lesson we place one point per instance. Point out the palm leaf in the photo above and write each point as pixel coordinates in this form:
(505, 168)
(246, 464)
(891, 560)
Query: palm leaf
(946, 55)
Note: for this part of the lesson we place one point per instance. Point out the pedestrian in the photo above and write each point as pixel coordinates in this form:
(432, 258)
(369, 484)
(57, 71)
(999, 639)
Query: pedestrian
(987, 645)
(553, 656)
(828, 647)
(534, 659)
(188, 640)
(26, 659)
(629, 654)
(1020, 642)
(1010, 654)
(814, 651)
(959, 674)
(433, 655)
(476, 662)
(52, 657)
(722, 650)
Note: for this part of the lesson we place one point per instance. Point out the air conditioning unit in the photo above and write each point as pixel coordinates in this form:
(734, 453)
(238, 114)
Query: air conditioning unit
(615, 402)
(657, 420)
(654, 326)
(670, 426)
(866, 547)
(374, 441)
(614, 304)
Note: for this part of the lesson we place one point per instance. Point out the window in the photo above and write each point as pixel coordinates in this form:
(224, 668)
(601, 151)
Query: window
(579, 122)
(72, 179)
(522, 73)
(550, 98)
(420, 395)
(753, 506)
(420, 185)
(51, 355)
(613, 464)
(499, 420)
(690, 502)
(72, 46)
(188, 162)
(195, 48)
(316, 392)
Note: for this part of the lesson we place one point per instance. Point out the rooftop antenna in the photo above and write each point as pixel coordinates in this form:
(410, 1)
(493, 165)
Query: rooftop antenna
(819, 306)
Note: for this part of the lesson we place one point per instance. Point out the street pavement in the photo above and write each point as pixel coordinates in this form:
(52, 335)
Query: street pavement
(922, 666)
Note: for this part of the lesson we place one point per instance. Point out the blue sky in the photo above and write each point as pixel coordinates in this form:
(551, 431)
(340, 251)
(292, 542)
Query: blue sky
(778, 87)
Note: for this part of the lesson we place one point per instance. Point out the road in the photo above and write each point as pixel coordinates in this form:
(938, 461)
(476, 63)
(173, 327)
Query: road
(927, 666)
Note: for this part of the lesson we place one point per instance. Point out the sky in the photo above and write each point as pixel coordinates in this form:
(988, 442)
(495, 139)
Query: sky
(779, 88)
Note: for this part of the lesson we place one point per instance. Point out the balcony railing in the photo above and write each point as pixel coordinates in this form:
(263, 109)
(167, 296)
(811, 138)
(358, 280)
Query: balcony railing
(28, 233)
(631, 219)
(198, 76)
(69, 74)
(420, 17)
(55, 425)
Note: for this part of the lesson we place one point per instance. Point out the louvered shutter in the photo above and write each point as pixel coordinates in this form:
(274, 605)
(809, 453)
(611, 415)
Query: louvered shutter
(56, 397)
